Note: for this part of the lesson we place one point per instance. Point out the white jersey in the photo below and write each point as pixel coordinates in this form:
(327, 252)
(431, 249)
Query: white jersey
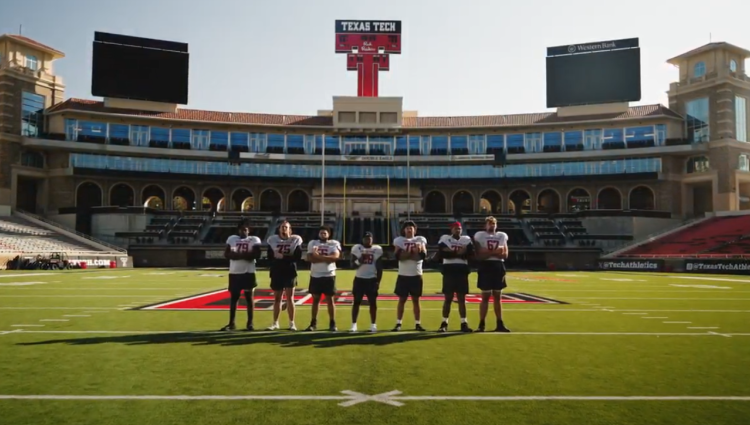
(409, 267)
(324, 248)
(242, 245)
(455, 244)
(368, 258)
(491, 241)
(284, 246)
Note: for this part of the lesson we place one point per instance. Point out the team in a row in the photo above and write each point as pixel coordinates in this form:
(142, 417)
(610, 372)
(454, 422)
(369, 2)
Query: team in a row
(489, 247)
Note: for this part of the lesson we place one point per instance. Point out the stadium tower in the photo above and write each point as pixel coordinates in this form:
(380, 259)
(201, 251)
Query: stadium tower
(139, 171)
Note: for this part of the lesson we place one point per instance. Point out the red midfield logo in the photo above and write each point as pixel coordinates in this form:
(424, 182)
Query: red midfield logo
(219, 300)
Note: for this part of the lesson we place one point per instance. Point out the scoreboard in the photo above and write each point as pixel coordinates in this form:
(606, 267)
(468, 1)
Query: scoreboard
(368, 46)
(368, 37)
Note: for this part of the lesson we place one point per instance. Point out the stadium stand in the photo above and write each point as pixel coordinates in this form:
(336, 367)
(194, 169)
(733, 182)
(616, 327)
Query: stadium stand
(307, 225)
(224, 225)
(719, 235)
(512, 226)
(19, 235)
(355, 227)
(431, 226)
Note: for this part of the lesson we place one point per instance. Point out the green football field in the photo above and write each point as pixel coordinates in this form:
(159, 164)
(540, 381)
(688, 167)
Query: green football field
(77, 347)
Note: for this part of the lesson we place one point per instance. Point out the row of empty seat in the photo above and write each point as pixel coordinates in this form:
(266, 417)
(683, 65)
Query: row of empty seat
(19, 235)
(718, 235)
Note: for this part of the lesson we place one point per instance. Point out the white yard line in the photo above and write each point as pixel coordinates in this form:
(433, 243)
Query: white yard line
(27, 326)
(76, 315)
(55, 320)
(685, 323)
(654, 317)
(704, 327)
(350, 398)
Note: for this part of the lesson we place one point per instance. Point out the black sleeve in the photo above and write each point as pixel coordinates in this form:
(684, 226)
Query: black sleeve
(379, 266)
(269, 251)
(256, 252)
(445, 251)
(469, 250)
(297, 254)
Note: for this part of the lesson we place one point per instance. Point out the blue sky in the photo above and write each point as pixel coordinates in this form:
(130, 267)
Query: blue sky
(459, 58)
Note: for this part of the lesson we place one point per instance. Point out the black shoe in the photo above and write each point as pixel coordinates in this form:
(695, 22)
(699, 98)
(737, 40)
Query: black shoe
(396, 329)
(250, 327)
(419, 328)
(501, 327)
(332, 327)
(443, 327)
(481, 327)
(229, 327)
(465, 328)
(311, 328)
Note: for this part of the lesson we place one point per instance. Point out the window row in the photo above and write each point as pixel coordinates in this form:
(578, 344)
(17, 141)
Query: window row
(620, 166)
(310, 144)
(700, 164)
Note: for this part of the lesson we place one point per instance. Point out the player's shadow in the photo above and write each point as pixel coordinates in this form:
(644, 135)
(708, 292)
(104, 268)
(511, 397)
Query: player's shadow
(281, 339)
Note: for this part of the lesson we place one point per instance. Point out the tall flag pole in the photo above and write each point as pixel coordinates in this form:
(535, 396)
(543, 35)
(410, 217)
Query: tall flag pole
(388, 209)
(344, 241)
(408, 179)
(322, 182)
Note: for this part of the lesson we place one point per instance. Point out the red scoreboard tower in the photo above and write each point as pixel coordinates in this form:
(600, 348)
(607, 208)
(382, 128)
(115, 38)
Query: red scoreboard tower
(368, 46)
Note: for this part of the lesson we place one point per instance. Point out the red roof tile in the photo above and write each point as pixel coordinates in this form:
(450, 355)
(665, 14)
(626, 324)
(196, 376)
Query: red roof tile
(27, 40)
(516, 120)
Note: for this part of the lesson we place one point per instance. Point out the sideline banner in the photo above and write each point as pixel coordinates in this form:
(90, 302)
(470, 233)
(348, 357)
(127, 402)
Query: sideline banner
(632, 265)
(723, 266)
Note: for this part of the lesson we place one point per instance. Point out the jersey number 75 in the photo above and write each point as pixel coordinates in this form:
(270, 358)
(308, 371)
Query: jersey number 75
(283, 249)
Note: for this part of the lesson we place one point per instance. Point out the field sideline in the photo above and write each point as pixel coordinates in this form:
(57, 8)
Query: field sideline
(105, 346)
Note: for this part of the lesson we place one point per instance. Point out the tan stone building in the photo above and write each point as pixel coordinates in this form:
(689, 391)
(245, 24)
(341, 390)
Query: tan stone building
(372, 158)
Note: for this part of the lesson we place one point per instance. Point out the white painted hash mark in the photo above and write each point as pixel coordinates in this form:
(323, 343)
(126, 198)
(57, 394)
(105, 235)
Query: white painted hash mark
(351, 398)
(718, 334)
(385, 398)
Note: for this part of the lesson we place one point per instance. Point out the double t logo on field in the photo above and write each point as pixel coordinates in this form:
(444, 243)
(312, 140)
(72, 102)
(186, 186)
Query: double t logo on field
(263, 300)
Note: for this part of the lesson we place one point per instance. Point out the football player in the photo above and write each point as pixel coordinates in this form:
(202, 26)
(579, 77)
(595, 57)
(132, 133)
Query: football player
(322, 254)
(242, 250)
(284, 250)
(455, 249)
(491, 251)
(410, 250)
(366, 257)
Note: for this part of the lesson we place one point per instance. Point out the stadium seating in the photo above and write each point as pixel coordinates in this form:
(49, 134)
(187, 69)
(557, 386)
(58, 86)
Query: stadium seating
(307, 225)
(355, 227)
(512, 226)
(222, 226)
(546, 231)
(19, 235)
(431, 226)
(712, 236)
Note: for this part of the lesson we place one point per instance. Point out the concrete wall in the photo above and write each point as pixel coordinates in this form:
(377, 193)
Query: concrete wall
(104, 226)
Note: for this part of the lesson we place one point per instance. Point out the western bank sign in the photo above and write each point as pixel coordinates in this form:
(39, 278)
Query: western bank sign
(572, 49)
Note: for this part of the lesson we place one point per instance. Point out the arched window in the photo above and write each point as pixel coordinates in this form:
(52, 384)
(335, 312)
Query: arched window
(733, 65)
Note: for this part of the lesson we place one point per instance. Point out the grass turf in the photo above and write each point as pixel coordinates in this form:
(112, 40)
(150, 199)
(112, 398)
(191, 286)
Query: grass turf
(615, 337)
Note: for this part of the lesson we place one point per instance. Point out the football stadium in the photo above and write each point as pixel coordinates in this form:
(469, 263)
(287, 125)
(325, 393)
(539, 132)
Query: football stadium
(628, 235)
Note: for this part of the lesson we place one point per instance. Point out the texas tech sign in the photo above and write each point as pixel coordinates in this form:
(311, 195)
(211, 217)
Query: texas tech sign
(368, 46)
